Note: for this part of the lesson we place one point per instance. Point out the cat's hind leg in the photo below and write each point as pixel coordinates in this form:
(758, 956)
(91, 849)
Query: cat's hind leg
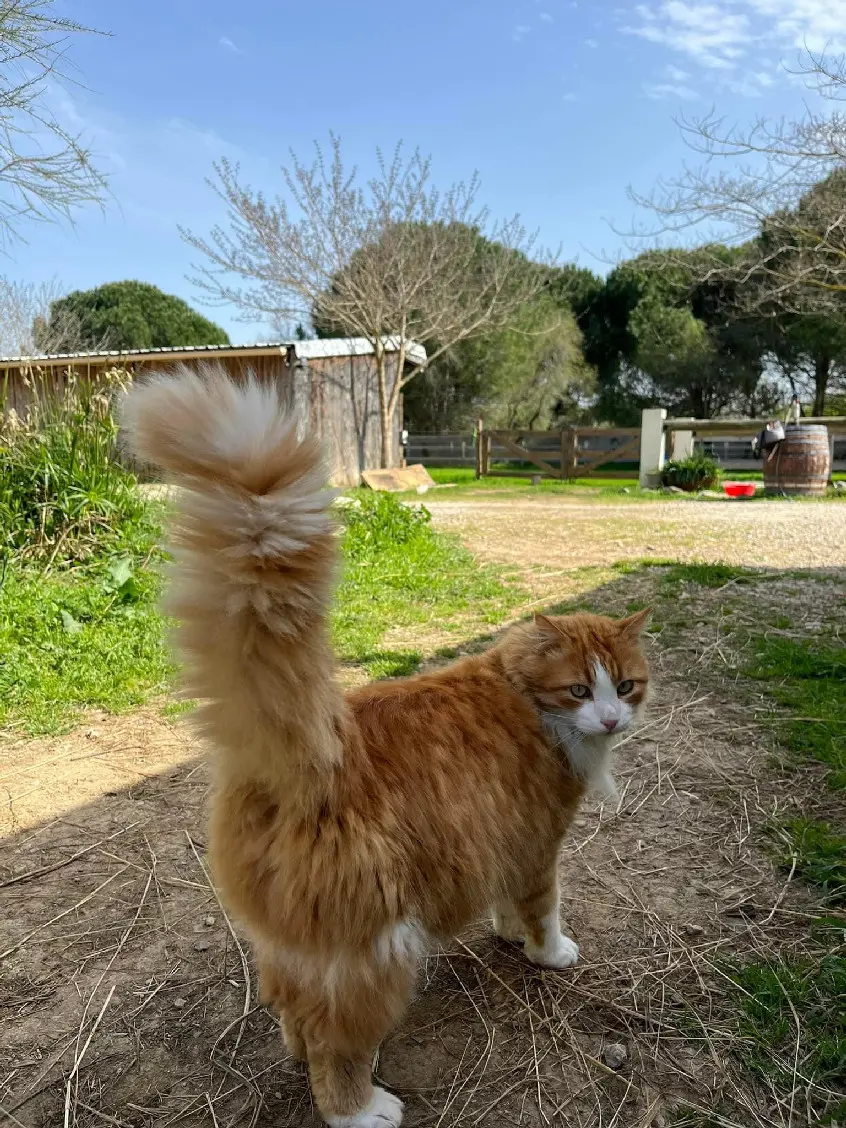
(343, 1021)
(278, 991)
(507, 924)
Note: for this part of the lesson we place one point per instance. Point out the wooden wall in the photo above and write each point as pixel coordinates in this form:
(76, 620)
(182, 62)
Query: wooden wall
(336, 397)
(343, 397)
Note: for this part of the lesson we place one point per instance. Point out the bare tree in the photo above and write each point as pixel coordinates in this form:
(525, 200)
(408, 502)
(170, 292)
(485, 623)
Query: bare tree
(27, 327)
(777, 188)
(393, 260)
(46, 172)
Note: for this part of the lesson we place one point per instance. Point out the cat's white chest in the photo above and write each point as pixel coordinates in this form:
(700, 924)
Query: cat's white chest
(590, 756)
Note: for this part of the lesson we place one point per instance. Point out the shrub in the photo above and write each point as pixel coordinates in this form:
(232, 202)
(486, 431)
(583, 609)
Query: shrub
(62, 489)
(376, 522)
(698, 472)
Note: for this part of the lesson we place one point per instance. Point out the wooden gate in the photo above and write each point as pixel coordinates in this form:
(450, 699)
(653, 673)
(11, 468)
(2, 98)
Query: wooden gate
(574, 452)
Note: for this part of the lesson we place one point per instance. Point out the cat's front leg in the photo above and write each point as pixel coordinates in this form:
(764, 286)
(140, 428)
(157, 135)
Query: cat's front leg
(537, 913)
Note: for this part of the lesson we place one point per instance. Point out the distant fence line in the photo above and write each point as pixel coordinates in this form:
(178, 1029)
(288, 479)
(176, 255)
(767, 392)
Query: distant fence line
(459, 450)
(580, 449)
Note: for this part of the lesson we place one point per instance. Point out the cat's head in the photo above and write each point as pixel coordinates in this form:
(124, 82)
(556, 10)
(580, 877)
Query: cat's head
(587, 672)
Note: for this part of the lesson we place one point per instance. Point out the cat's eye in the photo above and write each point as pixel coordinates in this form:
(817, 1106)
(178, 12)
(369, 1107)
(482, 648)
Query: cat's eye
(580, 691)
(624, 688)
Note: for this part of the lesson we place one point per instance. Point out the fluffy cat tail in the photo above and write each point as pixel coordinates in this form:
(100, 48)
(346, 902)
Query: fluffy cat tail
(254, 550)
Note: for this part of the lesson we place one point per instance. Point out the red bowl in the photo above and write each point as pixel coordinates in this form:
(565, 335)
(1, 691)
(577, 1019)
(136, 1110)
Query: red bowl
(739, 489)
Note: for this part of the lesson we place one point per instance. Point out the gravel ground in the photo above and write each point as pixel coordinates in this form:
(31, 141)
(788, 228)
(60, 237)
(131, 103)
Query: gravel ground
(565, 534)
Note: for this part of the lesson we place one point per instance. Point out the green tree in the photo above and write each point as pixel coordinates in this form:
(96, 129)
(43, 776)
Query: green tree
(132, 315)
(810, 353)
(663, 332)
(532, 376)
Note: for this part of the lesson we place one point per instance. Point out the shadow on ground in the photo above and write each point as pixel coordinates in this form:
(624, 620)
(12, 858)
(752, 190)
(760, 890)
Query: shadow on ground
(128, 999)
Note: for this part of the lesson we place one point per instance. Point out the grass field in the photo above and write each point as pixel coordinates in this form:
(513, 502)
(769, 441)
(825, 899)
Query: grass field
(91, 635)
(462, 482)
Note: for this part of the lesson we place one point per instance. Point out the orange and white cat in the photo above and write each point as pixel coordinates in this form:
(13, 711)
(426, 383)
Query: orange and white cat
(349, 830)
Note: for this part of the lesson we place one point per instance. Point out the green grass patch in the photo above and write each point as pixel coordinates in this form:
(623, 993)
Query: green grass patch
(708, 575)
(794, 1007)
(818, 851)
(92, 636)
(758, 475)
(79, 638)
(463, 483)
(809, 679)
(399, 573)
(175, 709)
(790, 1013)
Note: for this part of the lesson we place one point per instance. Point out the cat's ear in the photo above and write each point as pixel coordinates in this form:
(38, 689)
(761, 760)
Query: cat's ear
(634, 624)
(547, 628)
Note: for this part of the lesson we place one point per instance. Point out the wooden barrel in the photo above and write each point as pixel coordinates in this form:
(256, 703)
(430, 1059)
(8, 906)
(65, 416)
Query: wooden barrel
(800, 465)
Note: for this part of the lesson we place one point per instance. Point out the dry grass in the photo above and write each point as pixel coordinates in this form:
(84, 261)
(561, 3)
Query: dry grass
(129, 999)
(561, 534)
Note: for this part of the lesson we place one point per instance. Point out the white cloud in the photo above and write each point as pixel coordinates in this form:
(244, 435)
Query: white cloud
(659, 91)
(747, 84)
(546, 17)
(592, 43)
(226, 43)
(570, 96)
(676, 73)
(711, 34)
(720, 34)
(520, 31)
(816, 24)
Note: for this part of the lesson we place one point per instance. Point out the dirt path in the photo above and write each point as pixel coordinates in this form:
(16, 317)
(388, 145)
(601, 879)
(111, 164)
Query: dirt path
(117, 958)
(566, 534)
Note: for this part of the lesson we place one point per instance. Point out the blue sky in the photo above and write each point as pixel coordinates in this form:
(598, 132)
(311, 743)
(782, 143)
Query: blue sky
(559, 105)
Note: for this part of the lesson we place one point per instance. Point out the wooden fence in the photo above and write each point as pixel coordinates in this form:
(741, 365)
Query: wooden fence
(442, 450)
(574, 452)
(683, 436)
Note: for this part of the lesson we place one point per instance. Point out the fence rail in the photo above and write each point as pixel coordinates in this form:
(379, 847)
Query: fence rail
(661, 436)
(569, 453)
(442, 450)
(589, 450)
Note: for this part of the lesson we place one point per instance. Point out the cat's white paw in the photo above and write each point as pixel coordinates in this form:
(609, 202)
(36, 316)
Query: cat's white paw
(384, 1111)
(560, 952)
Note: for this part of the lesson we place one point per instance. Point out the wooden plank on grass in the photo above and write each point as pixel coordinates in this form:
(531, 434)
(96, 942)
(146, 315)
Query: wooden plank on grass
(407, 478)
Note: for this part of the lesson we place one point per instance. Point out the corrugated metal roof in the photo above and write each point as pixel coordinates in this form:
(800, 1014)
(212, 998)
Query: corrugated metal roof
(128, 354)
(354, 346)
(306, 350)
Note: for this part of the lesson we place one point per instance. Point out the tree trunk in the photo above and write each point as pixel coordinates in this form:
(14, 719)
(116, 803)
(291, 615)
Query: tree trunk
(822, 371)
(385, 414)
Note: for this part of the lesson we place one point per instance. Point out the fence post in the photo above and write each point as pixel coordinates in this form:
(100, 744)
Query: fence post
(480, 461)
(652, 442)
(573, 453)
(563, 469)
(681, 444)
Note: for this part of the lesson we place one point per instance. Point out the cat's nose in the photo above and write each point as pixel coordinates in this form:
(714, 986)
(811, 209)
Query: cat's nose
(610, 725)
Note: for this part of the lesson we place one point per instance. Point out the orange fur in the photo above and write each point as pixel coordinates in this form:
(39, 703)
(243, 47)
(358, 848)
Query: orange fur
(348, 829)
